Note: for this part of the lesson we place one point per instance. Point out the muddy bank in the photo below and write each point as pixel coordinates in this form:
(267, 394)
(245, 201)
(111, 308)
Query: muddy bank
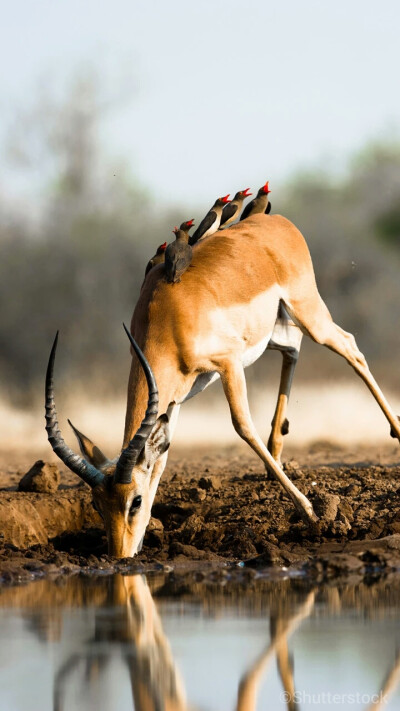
(212, 510)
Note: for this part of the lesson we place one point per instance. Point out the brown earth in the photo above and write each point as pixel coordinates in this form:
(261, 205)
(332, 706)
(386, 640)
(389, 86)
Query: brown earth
(217, 508)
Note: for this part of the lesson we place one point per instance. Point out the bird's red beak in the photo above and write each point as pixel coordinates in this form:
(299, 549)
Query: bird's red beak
(163, 246)
(246, 193)
(225, 198)
(266, 188)
(190, 223)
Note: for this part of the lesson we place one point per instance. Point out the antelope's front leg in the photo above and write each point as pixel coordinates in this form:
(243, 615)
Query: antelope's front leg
(234, 384)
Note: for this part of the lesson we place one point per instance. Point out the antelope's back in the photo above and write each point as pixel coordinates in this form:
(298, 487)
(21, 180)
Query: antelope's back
(231, 267)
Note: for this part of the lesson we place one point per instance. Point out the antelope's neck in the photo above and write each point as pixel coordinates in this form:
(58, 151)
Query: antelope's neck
(169, 381)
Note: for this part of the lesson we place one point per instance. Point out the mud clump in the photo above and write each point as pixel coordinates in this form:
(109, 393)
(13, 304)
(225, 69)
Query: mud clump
(42, 478)
(210, 482)
(331, 516)
(326, 506)
(155, 533)
(196, 494)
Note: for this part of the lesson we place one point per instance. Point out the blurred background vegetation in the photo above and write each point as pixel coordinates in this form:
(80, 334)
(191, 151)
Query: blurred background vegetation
(75, 260)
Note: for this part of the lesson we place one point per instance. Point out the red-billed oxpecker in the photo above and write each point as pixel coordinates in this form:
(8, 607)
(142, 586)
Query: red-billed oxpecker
(178, 255)
(231, 211)
(186, 226)
(259, 204)
(211, 221)
(157, 259)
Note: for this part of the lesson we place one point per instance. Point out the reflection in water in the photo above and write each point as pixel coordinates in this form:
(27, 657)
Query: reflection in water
(135, 627)
(121, 629)
(281, 627)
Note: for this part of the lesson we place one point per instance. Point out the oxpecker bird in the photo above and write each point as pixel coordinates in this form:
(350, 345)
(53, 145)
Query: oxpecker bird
(211, 221)
(178, 256)
(157, 259)
(231, 212)
(186, 226)
(259, 204)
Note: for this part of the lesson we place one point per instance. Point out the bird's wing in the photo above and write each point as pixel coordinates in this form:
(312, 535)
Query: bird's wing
(268, 208)
(149, 266)
(246, 211)
(170, 251)
(170, 255)
(170, 262)
(204, 225)
(181, 263)
(183, 257)
(228, 212)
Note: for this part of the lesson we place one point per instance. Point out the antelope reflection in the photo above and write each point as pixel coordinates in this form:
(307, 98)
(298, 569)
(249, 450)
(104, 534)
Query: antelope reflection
(155, 680)
(126, 626)
(137, 631)
(282, 626)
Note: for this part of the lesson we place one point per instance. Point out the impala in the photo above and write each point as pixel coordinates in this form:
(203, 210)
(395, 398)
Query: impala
(249, 288)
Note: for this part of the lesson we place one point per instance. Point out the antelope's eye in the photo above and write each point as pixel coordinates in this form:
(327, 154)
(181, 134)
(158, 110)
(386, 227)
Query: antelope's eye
(136, 503)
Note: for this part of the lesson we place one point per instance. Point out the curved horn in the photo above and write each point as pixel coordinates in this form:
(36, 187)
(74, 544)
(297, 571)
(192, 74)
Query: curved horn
(77, 464)
(129, 455)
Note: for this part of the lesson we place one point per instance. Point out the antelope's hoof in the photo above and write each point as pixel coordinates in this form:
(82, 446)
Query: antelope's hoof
(309, 516)
(313, 521)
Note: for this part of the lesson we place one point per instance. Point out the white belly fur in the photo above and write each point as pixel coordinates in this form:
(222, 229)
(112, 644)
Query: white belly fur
(286, 333)
(250, 355)
(229, 330)
(254, 352)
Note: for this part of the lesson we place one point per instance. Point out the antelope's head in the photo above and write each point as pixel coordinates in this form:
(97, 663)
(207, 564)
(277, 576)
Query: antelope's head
(120, 487)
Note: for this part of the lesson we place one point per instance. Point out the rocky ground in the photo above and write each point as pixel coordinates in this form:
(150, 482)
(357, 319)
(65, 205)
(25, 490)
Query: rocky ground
(212, 509)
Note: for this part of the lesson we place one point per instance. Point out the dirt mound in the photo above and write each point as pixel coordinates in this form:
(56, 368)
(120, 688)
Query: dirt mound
(42, 478)
(30, 518)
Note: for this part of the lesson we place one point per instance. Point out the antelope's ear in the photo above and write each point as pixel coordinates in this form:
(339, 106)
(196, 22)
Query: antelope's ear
(92, 454)
(158, 441)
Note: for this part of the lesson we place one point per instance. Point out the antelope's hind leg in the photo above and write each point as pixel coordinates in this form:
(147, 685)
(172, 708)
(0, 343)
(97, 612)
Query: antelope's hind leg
(286, 338)
(314, 319)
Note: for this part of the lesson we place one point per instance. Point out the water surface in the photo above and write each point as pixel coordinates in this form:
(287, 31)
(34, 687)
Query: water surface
(175, 643)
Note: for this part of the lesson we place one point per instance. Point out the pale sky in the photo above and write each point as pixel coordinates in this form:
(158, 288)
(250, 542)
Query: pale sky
(227, 93)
